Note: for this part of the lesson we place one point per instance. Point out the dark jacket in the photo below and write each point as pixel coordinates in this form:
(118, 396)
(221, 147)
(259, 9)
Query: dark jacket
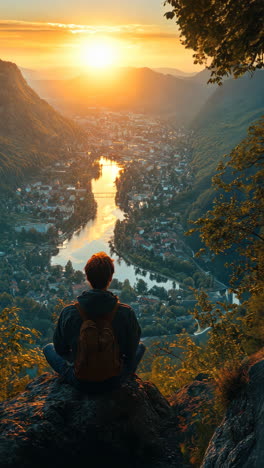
(97, 302)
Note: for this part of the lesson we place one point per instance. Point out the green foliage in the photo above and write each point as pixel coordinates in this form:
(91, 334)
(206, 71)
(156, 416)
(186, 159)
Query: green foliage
(159, 291)
(209, 418)
(69, 271)
(6, 300)
(188, 282)
(181, 361)
(229, 32)
(219, 127)
(141, 287)
(127, 293)
(236, 222)
(115, 284)
(17, 353)
(145, 259)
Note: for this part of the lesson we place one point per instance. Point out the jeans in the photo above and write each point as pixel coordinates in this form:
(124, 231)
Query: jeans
(66, 370)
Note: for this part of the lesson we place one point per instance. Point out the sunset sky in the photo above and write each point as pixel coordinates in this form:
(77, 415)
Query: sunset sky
(74, 33)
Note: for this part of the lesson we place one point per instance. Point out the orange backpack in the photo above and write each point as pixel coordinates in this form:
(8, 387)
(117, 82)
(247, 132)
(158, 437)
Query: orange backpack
(98, 356)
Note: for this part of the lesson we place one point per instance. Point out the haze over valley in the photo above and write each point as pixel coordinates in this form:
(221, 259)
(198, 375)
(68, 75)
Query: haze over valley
(158, 131)
(47, 197)
(135, 130)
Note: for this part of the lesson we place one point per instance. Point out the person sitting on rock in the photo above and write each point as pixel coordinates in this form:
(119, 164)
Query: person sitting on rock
(96, 340)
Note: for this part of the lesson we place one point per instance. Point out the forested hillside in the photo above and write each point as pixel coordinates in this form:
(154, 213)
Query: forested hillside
(223, 121)
(220, 125)
(31, 131)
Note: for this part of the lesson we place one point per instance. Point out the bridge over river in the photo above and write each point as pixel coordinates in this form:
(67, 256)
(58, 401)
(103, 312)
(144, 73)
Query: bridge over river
(104, 194)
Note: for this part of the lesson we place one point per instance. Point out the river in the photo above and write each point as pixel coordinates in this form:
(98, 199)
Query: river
(95, 235)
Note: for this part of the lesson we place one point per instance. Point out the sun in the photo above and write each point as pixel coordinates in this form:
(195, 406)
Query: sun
(99, 54)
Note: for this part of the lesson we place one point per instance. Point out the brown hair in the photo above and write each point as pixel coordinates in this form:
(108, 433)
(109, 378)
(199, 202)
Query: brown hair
(99, 270)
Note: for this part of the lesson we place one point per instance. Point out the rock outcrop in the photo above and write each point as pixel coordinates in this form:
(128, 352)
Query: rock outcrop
(239, 441)
(188, 405)
(53, 424)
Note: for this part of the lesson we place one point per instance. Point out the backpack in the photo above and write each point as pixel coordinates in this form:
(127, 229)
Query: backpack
(98, 356)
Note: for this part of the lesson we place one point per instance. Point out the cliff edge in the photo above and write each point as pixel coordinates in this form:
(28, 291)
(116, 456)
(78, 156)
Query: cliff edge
(239, 441)
(53, 424)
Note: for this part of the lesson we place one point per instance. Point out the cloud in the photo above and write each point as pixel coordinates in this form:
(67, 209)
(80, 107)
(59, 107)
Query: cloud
(42, 44)
(137, 31)
(14, 25)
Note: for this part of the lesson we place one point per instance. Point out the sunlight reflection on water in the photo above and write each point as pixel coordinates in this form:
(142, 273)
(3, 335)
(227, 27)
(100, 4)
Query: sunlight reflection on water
(95, 235)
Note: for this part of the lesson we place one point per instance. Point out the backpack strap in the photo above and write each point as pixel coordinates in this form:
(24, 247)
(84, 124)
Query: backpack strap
(81, 311)
(85, 316)
(110, 317)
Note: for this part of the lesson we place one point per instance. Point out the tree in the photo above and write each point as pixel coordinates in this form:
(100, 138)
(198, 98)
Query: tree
(127, 294)
(69, 269)
(78, 277)
(188, 282)
(63, 292)
(6, 300)
(141, 287)
(115, 284)
(16, 353)
(159, 291)
(24, 287)
(230, 32)
(179, 311)
(235, 224)
(56, 270)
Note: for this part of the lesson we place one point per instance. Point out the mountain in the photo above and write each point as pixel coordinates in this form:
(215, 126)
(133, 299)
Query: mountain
(136, 89)
(173, 72)
(218, 127)
(31, 131)
(223, 121)
(56, 73)
(201, 77)
(29, 74)
(65, 73)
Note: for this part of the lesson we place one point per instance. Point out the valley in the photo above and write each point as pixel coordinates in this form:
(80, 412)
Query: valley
(116, 203)
(134, 131)
(126, 184)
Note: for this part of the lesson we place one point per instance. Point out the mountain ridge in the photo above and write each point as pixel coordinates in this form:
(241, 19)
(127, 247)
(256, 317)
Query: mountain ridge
(32, 132)
(218, 127)
(173, 71)
(139, 90)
